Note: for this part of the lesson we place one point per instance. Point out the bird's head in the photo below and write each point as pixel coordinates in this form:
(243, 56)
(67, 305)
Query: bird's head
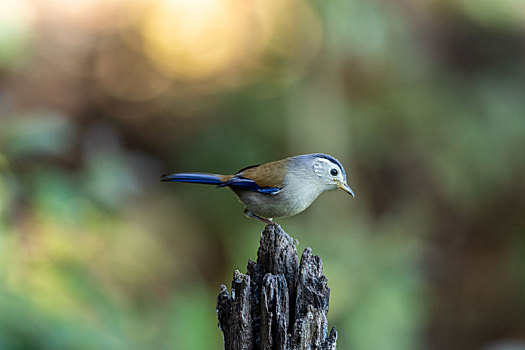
(331, 172)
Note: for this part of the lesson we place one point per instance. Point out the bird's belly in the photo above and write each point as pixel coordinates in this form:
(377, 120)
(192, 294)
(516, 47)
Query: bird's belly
(274, 205)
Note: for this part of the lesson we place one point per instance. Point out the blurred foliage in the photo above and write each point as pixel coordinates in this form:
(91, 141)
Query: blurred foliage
(421, 100)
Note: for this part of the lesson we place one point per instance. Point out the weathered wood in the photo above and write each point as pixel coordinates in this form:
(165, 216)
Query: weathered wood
(279, 304)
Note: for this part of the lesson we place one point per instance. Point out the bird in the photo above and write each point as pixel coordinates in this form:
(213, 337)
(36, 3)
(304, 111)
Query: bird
(280, 188)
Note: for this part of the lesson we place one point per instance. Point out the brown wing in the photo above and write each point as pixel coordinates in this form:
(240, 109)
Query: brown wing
(266, 175)
(225, 178)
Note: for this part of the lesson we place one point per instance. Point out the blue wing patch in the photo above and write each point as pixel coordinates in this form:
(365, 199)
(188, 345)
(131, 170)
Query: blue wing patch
(249, 185)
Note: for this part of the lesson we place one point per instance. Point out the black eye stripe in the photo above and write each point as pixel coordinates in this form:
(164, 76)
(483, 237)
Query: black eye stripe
(334, 172)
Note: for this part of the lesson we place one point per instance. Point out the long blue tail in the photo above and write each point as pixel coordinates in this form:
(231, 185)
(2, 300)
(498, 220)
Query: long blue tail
(198, 178)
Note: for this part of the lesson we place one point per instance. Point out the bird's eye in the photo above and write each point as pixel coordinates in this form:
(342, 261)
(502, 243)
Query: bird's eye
(334, 172)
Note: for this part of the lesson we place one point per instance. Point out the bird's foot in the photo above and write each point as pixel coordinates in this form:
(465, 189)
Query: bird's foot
(257, 217)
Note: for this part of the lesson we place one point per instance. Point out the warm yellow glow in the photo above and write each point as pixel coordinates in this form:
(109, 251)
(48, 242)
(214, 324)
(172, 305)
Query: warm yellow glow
(15, 12)
(224, 39)
(194, 38)
(211, 44)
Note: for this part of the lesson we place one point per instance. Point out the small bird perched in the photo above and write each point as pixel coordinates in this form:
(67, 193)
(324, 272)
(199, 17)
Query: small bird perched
(282, 188)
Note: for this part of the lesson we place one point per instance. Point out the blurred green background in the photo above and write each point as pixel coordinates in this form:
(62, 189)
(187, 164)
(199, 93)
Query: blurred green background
(422, 101)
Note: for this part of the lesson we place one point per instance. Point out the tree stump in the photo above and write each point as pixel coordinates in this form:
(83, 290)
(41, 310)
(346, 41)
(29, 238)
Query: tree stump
(279, 303)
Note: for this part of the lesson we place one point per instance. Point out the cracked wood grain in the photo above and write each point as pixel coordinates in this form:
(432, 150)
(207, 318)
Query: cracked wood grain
(279, 304)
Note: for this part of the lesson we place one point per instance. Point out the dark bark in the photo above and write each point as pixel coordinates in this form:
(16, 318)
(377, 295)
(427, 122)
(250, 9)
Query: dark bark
(279, 303)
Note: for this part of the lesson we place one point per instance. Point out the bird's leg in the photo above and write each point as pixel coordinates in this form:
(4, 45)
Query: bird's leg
(253, 216)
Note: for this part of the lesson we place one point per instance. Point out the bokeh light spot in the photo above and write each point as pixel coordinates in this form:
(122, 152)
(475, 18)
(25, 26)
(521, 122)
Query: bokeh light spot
(194, 39)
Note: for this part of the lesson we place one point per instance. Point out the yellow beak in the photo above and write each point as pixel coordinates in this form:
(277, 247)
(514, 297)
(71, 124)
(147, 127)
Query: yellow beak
(344, 186)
